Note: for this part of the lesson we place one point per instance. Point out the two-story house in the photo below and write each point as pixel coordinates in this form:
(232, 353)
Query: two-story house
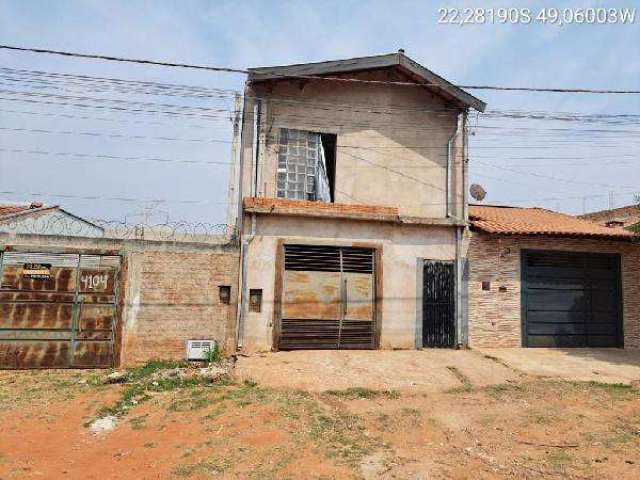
(352, 183)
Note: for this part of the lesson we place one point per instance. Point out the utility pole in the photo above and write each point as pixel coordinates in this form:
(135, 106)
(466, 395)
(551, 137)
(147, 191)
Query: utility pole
(232, 209)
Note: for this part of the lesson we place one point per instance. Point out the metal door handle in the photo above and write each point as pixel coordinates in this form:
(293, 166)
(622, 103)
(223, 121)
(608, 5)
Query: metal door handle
(345, 299)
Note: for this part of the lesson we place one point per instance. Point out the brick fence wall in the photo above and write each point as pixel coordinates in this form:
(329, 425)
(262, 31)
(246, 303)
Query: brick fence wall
(494, 316)
(169, 291)
(173, 295)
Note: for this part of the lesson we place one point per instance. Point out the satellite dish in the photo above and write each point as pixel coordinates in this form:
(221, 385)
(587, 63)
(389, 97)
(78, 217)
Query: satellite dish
(477, 192)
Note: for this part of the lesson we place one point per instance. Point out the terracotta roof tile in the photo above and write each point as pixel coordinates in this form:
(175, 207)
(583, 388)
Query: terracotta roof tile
(11, 209)
(537, 221)
(629, 215)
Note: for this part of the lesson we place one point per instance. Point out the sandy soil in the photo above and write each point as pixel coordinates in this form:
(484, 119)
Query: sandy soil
(522, 428)
(608, 365)
(416, 371)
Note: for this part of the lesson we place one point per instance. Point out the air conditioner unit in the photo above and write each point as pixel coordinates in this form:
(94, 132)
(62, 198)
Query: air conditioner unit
(198, 349)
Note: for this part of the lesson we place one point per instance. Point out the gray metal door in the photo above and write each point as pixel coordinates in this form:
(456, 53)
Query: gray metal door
(57, 310)
(328, 298)
(571, 299)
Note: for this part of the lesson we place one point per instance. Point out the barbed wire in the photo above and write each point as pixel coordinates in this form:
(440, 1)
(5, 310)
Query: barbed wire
(59, 223)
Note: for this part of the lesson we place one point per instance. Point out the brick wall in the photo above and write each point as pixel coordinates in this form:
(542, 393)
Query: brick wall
(494, 316)
(173, 296)
(168, 291)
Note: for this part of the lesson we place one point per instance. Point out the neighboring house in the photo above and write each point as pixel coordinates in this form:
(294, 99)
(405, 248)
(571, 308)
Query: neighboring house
(543, 279)
(627, 217)
(35, 218)
(353, 207)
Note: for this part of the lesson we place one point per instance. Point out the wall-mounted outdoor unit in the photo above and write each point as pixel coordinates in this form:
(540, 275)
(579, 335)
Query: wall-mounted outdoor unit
(198, 349)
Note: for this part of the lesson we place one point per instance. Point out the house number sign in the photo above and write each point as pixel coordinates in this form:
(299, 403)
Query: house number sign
(94, 282)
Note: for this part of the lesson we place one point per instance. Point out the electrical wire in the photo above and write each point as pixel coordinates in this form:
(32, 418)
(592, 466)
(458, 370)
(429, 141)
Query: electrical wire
(244, 71)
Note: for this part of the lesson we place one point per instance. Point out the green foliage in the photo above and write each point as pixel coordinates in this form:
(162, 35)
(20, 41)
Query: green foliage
(354, 393)
(212, 355)
(151, 367)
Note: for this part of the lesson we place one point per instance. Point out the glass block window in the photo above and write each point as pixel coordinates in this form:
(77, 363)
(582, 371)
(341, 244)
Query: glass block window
(298, 155)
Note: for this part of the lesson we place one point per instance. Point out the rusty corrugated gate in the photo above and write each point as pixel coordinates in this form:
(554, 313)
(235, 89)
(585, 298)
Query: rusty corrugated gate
(328, 298)
(57, 310)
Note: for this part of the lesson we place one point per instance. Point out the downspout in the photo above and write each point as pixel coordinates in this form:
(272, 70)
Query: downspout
(449, 176)
(256, 164)
(459, 308)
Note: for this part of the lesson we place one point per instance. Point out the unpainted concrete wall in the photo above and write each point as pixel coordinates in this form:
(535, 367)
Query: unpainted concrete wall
(391, 141)
(402, 246)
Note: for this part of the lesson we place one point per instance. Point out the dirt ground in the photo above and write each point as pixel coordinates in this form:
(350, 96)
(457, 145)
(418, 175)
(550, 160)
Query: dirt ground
(610, 365)
(520, 426)
(432, 370)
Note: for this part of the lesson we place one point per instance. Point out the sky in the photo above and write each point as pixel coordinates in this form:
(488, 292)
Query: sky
(48, 142)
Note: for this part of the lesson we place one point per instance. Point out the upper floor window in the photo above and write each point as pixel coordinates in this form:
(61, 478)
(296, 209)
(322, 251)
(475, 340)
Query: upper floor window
(306, 165)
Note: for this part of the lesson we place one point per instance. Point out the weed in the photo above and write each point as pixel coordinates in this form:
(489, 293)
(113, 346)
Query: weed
(212, 355)
(138, 423)
(197, 400)
(498, 390)
(212, 467)
(542, 417)
(354, 393)
(149, 445)
(216, 412)
(151, 367)
(141, 387)
(341, 436)
(559, 459)
(466, 386)
(621, 434)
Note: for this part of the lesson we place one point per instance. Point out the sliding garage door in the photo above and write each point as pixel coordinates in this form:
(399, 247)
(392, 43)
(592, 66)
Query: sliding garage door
(328, 299)
(57, 310)
(571, 299)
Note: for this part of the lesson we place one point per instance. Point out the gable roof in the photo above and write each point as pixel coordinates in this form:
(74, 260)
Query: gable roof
(537, 221)
(399, 60)
(14, 208)
(630, 215)
(11, 212)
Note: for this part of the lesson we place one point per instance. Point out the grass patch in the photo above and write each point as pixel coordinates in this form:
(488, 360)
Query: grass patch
(142, 387)
(18, 388)
(213, 466)
(559, 460)
(138, 423)
(466, 385)
(355, 393)
(153, 366)
(541, 416)
(197, 399)
(501, 389)
(341, 436)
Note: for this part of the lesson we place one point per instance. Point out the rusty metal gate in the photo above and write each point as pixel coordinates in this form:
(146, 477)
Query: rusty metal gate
(57, 310)
(328, 298)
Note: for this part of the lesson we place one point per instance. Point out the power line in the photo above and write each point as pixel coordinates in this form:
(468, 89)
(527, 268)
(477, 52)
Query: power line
(122, 59)
(244, 71)
(111, 157)
(112, 199)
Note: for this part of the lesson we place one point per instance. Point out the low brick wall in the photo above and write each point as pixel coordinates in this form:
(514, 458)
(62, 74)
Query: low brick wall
(169, 291)
(172, 295)
(495, 316)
